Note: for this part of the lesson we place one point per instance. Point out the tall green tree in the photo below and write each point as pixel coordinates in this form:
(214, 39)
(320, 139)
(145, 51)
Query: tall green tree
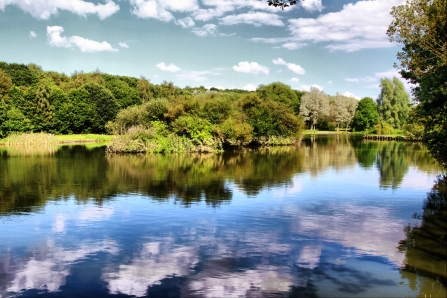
(393, 102)
(366, 115)
(421, 27)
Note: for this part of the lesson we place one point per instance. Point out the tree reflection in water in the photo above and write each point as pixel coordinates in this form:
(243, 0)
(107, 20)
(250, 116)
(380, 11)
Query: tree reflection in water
(426, 245)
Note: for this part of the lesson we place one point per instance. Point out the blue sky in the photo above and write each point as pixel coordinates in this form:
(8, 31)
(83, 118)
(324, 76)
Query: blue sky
(337, 45)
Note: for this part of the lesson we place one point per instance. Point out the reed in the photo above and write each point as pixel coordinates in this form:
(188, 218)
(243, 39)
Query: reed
(31, 139)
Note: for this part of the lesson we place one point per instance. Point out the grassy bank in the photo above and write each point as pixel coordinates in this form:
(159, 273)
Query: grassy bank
(46, 138)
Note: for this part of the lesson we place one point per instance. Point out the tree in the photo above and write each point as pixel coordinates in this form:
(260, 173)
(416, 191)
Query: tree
(144, 89)
(5, 84)
(314, 105)
(421, 26)
(393, 102)
(366, 115)
(343, 109)
(279, 92)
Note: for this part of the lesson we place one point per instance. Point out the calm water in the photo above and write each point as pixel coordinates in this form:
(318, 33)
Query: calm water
(336, 217)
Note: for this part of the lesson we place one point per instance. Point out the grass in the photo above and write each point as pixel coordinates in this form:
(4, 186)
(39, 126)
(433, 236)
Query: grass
(45, 138)
(84, 138)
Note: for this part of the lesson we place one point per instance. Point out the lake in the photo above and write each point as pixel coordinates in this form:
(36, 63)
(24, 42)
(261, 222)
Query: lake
(334, 217)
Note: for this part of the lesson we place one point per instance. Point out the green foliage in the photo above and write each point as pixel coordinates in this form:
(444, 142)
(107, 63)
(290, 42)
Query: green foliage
(269, 118)
(280, 92)
(20, 74)
(235, 132)
(393, 102)
(217, 110)
(421, 27)
(5, 84)
(144, 89)
(124, 95)
(366, 115)
(104, 105)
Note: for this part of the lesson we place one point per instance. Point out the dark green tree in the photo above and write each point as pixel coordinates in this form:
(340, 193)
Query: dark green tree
(421, 27)
(366, 115)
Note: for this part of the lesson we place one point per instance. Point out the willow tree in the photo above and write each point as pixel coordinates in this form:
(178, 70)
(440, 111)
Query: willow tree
(421, 26)
(393, 102)
(314, 105)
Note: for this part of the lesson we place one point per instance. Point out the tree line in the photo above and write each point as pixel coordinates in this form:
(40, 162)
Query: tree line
(146, 114)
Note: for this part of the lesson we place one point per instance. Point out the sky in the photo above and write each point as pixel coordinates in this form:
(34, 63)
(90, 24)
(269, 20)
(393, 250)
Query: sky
(334, 45)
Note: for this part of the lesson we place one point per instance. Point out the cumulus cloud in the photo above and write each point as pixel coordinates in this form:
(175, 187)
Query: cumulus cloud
(294, 80)
(253, 18)
(357, 26)
(186, 22)
(162, 9)
(307, 87)
(312, 5)
(85, 45)
(252, 67)
(171, 67)
(43, 9)
(123, 45)
(208, 29)
(32, 34)
(293, 67)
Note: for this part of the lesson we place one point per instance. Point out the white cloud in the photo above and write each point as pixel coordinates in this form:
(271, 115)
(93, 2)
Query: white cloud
(329, 82)
(357, 26)
(293, 67)
(186, 22)
(32, 34)
(207, 14)
(150, 9)
(171, 67)
(161, 9)
(196, 76)
(390, 73)
(249, 87)
(43, 9)
(123, 45)
(349, 94)
(253, 18)
(293, 45)
(312, 5)
(294, 80)
(252, 67)
(366, 79)
(85, 45)
(307, 87)
(208, 29)
(155, 262)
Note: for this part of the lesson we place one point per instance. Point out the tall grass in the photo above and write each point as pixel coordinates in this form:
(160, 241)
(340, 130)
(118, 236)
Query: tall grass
(31, 139)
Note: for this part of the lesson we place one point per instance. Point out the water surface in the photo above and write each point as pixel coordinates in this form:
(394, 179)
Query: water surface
(334, 217)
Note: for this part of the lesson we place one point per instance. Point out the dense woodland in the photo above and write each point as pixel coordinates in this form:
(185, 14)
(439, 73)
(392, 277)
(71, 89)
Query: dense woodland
(163, 117)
